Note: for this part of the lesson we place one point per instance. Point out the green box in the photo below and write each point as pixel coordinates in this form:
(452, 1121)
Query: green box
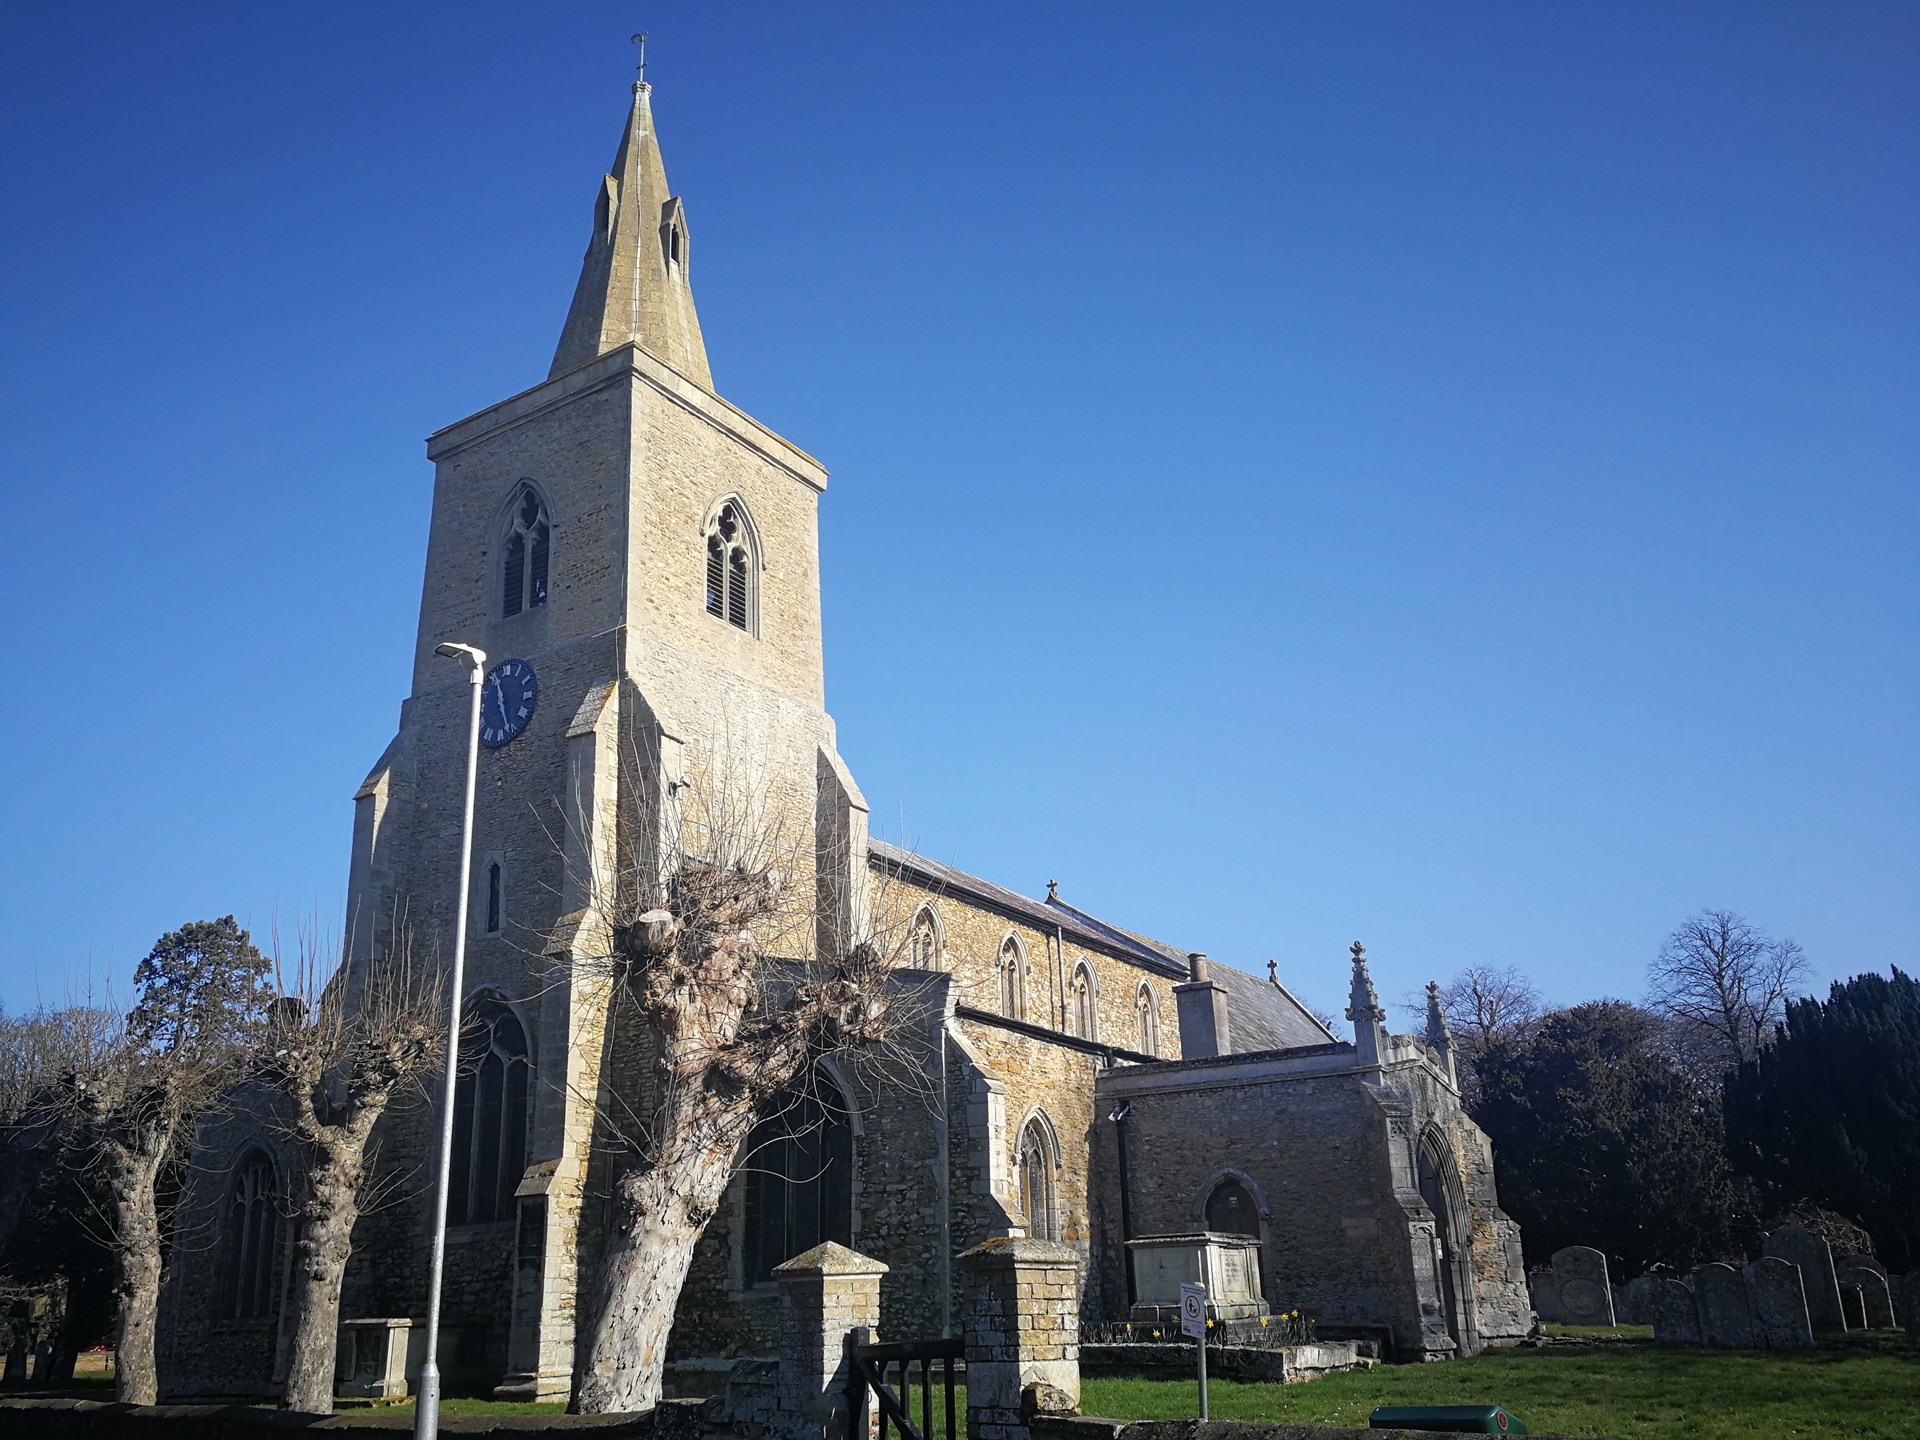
(1459, 1419)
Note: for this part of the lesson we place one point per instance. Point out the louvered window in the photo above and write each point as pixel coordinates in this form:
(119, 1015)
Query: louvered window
(523, 570)
(731, 568)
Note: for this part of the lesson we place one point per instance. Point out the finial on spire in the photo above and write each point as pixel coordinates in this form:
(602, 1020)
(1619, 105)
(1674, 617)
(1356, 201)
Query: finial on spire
(641, 41)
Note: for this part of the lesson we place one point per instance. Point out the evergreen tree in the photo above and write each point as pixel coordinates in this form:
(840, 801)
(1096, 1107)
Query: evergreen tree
(1831, 1110)
(1603, 1139)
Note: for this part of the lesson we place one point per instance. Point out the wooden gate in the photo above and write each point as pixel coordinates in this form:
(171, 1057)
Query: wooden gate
(867, 1372)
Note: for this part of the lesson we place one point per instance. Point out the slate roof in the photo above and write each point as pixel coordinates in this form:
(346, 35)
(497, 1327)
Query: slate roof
(1261, 1014)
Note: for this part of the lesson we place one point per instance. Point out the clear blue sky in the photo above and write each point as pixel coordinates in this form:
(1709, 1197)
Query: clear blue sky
(1440, 474)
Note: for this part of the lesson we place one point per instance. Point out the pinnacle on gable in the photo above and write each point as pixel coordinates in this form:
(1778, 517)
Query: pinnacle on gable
(634, 286)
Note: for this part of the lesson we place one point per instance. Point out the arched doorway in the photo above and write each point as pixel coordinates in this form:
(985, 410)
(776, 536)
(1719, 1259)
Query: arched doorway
(1440, 1188)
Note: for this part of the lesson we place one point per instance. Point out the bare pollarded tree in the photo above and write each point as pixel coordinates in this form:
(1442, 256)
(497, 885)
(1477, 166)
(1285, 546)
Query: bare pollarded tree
(132, 1091)
(1724, 984)
(714, 945)
(338, 1050)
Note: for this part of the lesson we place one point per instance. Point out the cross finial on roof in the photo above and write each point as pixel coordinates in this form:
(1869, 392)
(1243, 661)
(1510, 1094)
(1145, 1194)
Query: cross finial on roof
(641, 41)
(1053, 889)
(1273, 972)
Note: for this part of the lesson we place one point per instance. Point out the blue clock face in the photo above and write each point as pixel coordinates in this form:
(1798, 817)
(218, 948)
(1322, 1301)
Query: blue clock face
(507, 698)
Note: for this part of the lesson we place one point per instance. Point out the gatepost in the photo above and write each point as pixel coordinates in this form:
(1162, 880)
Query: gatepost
(1020, 1318)
(825, 1294)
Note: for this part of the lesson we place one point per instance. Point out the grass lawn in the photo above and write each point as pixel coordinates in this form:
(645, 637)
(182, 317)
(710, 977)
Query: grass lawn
(1624, 1388)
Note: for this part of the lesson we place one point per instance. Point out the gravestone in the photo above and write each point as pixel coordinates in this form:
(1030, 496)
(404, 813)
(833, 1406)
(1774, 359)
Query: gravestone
(1876, 1296)
(1853, 1307)
(1800, 1246)
(1779, 1304)
(1544, 1290)
(1585, 1296)
(1637, 1300)
(1906, 1294)
(1676, 1317)
(1725, 1316)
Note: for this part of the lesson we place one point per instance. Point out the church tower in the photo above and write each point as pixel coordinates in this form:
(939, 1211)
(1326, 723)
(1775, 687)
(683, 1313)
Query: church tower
(640, 562)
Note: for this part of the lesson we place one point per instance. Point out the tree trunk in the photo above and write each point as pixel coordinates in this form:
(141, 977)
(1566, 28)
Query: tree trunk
(661, 1213)
(136, 1380)
(320, 1263)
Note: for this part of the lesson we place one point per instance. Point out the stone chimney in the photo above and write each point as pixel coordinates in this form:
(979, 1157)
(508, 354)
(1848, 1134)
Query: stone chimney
(1202, 1003)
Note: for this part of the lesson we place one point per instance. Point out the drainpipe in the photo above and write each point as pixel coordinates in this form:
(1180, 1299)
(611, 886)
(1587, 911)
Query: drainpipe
(1119, 1116)
(943, 1181)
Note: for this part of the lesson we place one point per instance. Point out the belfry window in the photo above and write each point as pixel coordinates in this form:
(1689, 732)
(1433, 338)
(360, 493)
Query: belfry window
(1039, 1200)
(731, 567)
(489, 1117)
(1013, 980)
(799, 1180)
(1086, 1019)
(252, 1224)
(523, 571)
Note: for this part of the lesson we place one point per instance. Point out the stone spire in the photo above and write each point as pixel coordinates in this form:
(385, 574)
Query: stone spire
(633, 281)
(1363, 1009)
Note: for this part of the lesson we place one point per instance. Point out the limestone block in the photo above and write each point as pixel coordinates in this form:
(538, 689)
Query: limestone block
(1800, 1246)
(1779, 1304)
(1676, 1314)
(1586, 1298)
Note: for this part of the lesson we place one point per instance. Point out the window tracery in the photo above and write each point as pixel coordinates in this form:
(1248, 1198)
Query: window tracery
(1080, 999)
(1012, 966)
(252, 1226)
(1039, 1199)
(732, 568)
(799, 1179)
(1149, 1007)
(489, 1117)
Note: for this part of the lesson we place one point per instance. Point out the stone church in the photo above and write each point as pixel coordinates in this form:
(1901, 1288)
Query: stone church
(639, 560)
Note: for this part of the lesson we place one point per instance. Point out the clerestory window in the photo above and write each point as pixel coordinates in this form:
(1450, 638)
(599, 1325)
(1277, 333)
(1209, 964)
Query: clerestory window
(1086, 1018)
(523, 572)
(1149, 1008)
(1013, 980)
(731, 567)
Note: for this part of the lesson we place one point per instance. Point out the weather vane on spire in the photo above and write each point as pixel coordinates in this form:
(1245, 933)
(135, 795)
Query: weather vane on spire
(641, 41)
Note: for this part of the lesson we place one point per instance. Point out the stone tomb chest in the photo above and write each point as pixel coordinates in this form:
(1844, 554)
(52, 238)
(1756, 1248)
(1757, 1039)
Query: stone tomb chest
(1228, 1265)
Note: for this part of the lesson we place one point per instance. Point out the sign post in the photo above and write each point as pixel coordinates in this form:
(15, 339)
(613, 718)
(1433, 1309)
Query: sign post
(1193, 1321)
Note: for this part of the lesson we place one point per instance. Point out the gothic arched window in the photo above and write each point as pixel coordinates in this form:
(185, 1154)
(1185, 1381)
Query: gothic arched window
(1080, 998)
(1149, 1008)
(489, 1117)
(799, 1179)
(1039, 1199)
(731, 567)
(523, 572)
(250, 1227)
(924, 945)
(1013, 979)
(1231, 1209)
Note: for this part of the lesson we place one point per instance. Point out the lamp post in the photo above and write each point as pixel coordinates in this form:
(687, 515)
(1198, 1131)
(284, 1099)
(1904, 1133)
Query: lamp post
(426, 1415)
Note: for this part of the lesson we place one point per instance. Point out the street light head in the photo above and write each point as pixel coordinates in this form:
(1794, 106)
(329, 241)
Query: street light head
(472, 657)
